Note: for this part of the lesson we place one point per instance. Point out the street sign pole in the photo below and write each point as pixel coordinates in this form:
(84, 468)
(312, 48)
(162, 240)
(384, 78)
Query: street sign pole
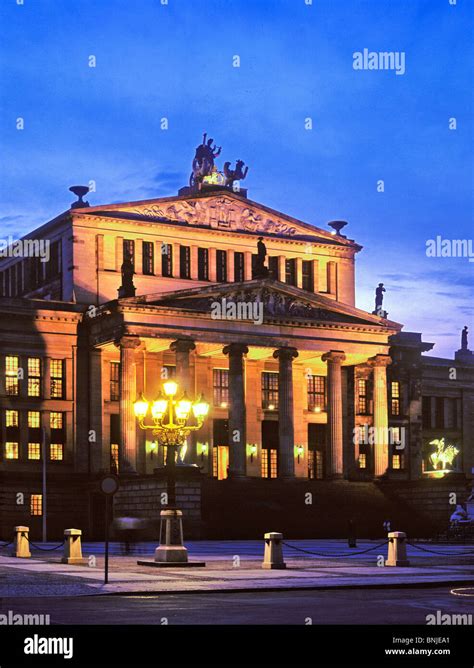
(106, 574)
(108, 486)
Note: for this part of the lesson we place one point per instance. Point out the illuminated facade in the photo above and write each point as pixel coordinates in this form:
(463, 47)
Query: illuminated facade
(302, 384)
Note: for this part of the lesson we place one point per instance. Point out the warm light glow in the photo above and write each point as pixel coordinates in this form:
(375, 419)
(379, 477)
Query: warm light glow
(153, 446)
(317, 409)
(170, 388)
(159, 407)
(140, 407)
(299, 450)
(444, 454)
(183, 408)
(202, 448)
(253, 449)
(200, 409)
(223, 404)
(271, 407)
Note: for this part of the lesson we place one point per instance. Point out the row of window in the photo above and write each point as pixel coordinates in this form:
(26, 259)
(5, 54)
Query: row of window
(316, 391)
(12, 419)
(13, 423)
(34, 376)
(56, 451)
(269, 462)
(222, 273)
(31, 273)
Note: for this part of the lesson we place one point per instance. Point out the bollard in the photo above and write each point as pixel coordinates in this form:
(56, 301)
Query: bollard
(397, 549)
(72, 547)
(273, 557)
(21, 546)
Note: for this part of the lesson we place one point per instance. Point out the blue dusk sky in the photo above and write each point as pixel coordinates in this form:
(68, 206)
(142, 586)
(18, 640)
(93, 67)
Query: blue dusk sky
(174, 60)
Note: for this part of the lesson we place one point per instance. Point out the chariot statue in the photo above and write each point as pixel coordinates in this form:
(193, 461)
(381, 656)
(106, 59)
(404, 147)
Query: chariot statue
(203, 163)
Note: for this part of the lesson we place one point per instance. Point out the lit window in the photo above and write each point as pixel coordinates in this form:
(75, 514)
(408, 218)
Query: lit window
(114, 457)
(34, 419)
(11, 418)
(221, 387)
(34, 376)
(362, 461)
(56, 452)
(56, 420)
(270, 390)
(11, 450)
(269, 463)
(316, 393)
(396, 462)
(395, 398)
(11, 375)
(362, 396)
(34, 450)
(36, 504)
(57, 378)
(114, 381)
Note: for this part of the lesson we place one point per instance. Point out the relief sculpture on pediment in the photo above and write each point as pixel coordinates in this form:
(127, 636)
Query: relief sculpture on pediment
(220, 212)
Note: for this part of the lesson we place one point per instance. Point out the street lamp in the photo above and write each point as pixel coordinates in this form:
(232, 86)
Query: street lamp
(171, 426)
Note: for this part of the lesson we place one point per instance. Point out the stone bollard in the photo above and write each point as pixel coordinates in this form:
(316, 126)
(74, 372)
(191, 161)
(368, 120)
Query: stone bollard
(72, 547)
(273, 557)
(21, 545)
(397, 549)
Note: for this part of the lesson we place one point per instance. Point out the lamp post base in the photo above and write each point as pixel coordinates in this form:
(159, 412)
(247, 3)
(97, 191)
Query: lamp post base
(171, 551)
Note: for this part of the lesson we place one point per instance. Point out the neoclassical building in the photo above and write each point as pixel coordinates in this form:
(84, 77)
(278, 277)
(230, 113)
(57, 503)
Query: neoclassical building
(302, 383)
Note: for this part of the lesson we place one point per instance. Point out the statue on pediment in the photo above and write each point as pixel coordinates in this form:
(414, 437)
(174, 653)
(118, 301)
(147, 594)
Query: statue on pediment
(464, 338)
(203, 163)
(259, 269)
(379, 301)
(127, 289)
(237, 174)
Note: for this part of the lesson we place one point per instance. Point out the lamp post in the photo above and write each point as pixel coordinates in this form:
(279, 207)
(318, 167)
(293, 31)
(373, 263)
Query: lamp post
(171, 427)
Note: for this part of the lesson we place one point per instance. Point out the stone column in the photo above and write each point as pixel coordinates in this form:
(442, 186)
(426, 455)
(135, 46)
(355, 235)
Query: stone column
(334, 466)
(128, 426)
(237, 413)
(286, 431)
(182, 348)
(96, 410)
(379, 364)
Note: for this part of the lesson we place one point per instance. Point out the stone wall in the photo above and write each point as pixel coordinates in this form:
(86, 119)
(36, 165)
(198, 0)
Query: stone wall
(142, 497)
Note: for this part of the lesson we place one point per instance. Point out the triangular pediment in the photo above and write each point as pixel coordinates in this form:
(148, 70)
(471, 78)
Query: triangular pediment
(222, 210)
(279, 301)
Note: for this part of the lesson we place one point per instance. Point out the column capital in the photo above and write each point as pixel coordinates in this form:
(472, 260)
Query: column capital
(182, 346)
(235, 349)
(334, 356)
(379, 360)
(129, 341)
(285, 353)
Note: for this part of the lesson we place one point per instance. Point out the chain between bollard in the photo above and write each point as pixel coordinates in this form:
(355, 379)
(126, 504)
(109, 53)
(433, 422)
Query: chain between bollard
(7, 544)
(442, 554)
(345, 554)
(46, 549)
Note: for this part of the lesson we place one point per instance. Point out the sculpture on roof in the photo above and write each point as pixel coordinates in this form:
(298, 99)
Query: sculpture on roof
(203, 163)
(237, 174)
